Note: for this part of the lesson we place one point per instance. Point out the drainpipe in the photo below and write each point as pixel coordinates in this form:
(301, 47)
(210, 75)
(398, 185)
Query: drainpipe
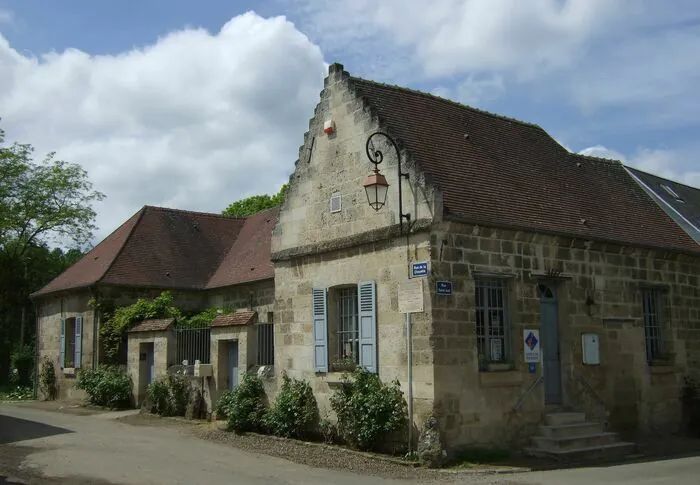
(409, 349)
(37, 364)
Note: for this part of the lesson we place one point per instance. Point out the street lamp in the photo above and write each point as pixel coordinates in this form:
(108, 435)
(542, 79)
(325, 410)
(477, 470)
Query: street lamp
(375, 183)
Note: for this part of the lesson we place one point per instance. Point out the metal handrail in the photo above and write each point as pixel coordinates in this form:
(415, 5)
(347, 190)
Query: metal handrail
(532, 387)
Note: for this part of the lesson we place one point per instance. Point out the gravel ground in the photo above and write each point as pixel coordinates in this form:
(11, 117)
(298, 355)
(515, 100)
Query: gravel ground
(310, 454)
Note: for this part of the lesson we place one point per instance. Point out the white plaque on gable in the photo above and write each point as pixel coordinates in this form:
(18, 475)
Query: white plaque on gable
(411, 296)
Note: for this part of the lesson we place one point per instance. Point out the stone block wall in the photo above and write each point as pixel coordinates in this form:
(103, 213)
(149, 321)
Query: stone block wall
(385, 263)
(50, 312)
(258, 297)
(164, 355)
(634, 396)
(220, 337)
(338, 164)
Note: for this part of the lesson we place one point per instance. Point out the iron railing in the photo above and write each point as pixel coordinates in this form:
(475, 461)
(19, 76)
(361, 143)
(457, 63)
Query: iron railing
(266, 344)
(193, 343)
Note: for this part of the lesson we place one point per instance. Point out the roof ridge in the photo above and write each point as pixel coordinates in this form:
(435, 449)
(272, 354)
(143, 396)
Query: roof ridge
(662, 178)
(447, 100)
(597, 159)
(140, 213)
(199, 213)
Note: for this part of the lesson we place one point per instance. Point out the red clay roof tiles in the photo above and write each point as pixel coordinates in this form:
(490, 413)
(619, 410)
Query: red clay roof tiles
(498, 171)
(155, 325)
(234, 319)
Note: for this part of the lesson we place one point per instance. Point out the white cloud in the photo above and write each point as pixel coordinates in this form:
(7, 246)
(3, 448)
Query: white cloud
(461, 36)
(194, 121)
(662, 162)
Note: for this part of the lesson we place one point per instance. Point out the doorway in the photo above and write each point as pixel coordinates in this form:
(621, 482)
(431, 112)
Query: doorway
(549, 322)
(233, 364)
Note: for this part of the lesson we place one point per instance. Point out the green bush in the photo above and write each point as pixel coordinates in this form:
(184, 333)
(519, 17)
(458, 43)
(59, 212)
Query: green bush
(168, 395)
(106, 386)
(225, 400)
(295, 412)
(47, 379)
(245, 408)
(19, 393)
(368, 409)
(21, 365)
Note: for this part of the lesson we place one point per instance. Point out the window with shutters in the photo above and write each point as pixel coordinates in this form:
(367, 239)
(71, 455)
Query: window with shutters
(69, 343)
(492, 326)
(345, 327)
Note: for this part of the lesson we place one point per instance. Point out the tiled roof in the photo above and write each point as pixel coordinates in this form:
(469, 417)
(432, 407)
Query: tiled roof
(176, 249)
(249, 257)
(499, 171)
(156, 325)
(686, 205)
(234, 319)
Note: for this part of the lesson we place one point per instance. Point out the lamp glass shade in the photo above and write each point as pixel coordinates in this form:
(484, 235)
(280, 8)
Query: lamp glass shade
(376, 188)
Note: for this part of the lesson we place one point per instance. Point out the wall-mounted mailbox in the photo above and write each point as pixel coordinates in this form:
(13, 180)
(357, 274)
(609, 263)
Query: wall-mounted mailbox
(590, 343)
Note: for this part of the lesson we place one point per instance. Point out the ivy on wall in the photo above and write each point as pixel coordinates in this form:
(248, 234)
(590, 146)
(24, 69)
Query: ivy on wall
(116, 322)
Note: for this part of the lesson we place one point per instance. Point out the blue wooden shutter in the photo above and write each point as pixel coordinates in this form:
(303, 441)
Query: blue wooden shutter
(78, 342)
(367, 298)
(62, 348)
(320, 330)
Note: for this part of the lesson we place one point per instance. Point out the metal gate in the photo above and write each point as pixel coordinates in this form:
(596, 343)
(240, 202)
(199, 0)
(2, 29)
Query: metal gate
(193, 344)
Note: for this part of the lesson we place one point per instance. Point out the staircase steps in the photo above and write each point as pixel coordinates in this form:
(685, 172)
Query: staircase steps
(570, 437)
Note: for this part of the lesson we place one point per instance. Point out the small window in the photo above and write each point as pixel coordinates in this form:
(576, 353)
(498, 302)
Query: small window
(492, 322)
(266, 342)
(672, 192)
(653, 323)
(335, 202)
(69, 344)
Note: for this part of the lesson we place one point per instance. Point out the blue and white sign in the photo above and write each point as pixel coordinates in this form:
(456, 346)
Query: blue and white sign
(532, 367)
(443, 288)
(419, 269)
(531, 345)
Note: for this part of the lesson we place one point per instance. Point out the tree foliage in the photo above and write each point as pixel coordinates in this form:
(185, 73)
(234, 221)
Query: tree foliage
(41, 201)
(256, 203)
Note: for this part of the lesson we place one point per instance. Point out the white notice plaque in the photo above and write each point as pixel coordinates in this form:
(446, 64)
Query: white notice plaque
(411, 296)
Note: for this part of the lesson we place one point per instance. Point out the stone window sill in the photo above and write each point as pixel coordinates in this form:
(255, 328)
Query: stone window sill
(334, 378)
(505, 378)
(69, 371)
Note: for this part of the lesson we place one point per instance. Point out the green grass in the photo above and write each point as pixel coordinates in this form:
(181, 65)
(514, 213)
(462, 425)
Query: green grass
(479, 457)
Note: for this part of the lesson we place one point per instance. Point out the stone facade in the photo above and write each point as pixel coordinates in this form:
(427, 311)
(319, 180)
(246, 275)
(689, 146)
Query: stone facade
(258, 296)
(244, 335)
(164, 355)
(632, 396)
(317, 248)
(51, 312)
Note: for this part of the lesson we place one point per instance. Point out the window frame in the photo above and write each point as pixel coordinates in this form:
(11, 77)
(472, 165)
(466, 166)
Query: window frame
(654, 322)
(483, 307)
(265, 337)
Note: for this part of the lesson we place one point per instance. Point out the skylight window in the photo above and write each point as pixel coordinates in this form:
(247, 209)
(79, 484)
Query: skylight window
(672, 192)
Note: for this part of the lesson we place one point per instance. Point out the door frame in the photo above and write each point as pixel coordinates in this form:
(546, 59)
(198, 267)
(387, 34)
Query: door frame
(229, 374)
(548, 292)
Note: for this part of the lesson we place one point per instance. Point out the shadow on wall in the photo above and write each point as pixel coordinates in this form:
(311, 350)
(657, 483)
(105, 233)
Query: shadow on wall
(13, 430)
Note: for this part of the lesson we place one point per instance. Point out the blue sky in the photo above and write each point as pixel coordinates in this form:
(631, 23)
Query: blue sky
(170, 86)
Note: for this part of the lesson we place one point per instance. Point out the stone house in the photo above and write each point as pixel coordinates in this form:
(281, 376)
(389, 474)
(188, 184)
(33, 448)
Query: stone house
(204, 260)
(538, 280)
(539, 286)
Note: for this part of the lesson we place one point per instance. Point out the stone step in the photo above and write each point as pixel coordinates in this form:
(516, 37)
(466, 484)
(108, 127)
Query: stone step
(558, 419)
(602, 453)
(575, 442)
(571, 430)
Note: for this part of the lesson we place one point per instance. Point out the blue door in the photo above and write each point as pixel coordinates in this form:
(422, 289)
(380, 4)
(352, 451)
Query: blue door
(150, 363)
(549, 320)
(233, 364)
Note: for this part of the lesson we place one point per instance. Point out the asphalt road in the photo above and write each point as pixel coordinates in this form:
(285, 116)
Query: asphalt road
(50, 448)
